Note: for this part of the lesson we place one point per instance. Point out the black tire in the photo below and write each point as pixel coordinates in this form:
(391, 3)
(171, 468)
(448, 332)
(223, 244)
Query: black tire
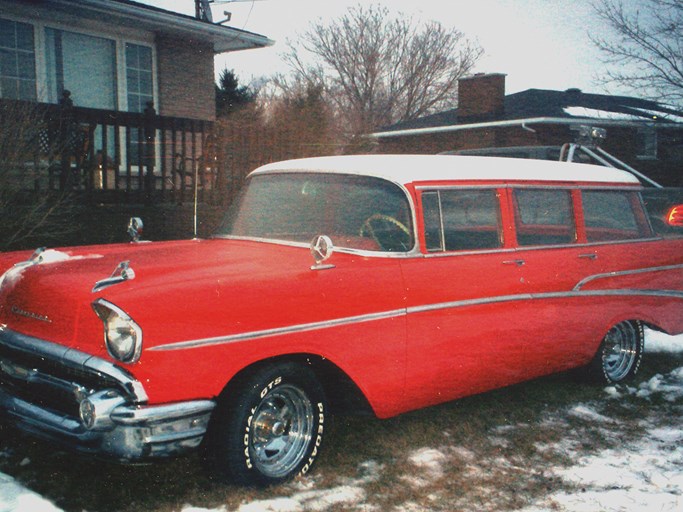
(620, 354)
(269, 428)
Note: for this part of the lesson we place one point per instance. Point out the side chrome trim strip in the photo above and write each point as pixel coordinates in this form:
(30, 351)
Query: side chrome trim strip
(625, 273)
(325, 324)
(542, 296)
(235, 338)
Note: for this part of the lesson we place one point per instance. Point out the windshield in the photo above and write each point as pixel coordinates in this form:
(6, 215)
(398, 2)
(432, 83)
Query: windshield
(356, 212)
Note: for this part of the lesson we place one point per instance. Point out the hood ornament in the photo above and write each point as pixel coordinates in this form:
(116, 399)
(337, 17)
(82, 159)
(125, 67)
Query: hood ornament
(121, 273)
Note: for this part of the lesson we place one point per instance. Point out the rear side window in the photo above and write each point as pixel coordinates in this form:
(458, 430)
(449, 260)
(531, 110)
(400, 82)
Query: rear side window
(610, 215)
(461, 220)
(544, 217)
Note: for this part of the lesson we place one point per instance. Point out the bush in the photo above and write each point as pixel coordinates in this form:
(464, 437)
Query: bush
(29, 215)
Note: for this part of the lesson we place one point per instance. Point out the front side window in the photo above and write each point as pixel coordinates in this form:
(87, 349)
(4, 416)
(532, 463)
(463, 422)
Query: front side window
(544, 217)
(356, 212)
(17, 61)
(609, 215)
(462, 219)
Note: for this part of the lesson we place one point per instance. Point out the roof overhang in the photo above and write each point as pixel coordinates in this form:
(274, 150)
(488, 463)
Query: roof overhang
(523, 123)
(160, 21)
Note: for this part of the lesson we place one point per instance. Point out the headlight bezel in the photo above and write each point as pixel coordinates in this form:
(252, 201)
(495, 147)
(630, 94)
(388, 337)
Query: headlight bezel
(123, 341)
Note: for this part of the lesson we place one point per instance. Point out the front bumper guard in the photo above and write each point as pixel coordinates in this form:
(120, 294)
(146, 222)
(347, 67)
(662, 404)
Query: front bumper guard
(124, 432)
(117, 424)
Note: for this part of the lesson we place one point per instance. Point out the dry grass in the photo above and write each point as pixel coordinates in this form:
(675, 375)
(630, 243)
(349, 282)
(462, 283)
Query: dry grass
(494, 451)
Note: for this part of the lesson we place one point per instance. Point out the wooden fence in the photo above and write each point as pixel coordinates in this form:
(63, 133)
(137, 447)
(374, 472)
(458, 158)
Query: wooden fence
(113, 157)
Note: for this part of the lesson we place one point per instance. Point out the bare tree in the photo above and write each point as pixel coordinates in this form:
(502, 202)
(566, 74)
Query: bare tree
(378, 69)
(643, 50)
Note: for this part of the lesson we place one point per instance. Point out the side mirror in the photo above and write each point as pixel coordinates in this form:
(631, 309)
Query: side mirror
(675, 216)
(135, 227)
(321, 250)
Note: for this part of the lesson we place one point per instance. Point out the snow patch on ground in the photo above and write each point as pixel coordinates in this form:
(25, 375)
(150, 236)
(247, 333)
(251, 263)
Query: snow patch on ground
(317, 500)
(589, 413)
(637, 476)
(660, 342)
(15, 497)
(669, 387)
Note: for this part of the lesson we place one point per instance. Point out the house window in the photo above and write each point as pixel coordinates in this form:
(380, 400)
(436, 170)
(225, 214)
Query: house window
(646, 143)
(139, 77)
(17, 61)
(84, 65)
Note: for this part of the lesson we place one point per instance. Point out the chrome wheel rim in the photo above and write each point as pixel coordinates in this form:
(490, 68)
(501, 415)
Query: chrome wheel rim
(281, 431)
(620, 351)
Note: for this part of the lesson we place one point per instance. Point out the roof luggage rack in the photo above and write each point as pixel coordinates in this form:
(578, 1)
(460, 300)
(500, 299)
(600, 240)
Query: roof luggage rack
(588, 142)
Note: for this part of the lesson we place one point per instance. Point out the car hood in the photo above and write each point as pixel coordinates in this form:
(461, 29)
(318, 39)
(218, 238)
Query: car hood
(50, 296)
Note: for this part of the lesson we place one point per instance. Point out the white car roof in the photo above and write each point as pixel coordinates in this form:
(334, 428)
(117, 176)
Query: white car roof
(404, 169)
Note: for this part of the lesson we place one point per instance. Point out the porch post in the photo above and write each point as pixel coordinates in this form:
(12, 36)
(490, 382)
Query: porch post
(64, 134)
(149, 154)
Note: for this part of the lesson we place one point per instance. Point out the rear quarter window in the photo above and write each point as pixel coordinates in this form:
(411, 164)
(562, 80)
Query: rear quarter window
(611, 215)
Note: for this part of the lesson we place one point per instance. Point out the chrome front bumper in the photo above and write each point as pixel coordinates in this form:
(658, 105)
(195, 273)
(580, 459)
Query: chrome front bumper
(122, 426)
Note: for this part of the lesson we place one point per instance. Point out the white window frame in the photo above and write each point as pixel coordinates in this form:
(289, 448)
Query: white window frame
(120, 39)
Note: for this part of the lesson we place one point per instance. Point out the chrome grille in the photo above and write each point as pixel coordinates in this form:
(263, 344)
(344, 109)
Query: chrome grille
(57, 378)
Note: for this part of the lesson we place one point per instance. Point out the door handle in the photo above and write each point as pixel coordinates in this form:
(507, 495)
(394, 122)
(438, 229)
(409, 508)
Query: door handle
(519, 263)
(589, 256)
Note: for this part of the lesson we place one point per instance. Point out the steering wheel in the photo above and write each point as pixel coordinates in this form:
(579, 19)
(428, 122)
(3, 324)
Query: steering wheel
(366, 227)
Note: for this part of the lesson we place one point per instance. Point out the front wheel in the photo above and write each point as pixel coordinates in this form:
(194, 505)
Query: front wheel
(270, 428)
(620, 354)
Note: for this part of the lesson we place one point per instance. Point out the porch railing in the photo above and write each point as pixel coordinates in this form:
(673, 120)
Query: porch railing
(123, 157)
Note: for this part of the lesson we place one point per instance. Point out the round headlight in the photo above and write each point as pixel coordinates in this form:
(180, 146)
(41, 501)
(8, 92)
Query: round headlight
(122, 336)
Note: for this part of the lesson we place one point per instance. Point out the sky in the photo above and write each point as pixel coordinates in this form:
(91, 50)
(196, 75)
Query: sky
(541, 44)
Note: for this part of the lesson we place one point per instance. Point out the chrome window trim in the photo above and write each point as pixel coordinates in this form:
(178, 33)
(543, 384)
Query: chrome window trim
(470, 252)
(443, 251)
(508, 184)
(344, 250)
(74, 359)
(429, 188)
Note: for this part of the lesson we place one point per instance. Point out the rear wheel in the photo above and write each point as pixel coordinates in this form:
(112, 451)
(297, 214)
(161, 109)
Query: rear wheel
(620, 354)
(270, 428)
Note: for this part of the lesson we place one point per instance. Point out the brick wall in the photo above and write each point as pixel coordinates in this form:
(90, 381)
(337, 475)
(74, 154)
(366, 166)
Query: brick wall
(481, 95)
(186, 79)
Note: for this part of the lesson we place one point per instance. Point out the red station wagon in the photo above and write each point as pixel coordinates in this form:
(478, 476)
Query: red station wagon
(385, 283)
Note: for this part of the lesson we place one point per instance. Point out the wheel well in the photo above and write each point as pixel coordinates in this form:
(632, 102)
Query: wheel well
(343, 394)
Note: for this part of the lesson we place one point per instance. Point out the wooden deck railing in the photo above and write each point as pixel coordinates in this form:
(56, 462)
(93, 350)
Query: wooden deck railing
(111, 156)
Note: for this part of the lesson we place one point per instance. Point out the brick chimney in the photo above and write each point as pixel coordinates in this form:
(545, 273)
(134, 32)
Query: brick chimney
(481, 95)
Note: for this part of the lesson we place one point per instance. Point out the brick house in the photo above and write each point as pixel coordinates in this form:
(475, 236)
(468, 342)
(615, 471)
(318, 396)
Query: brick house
(113, 55)
(644, 134)
(101, 64)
